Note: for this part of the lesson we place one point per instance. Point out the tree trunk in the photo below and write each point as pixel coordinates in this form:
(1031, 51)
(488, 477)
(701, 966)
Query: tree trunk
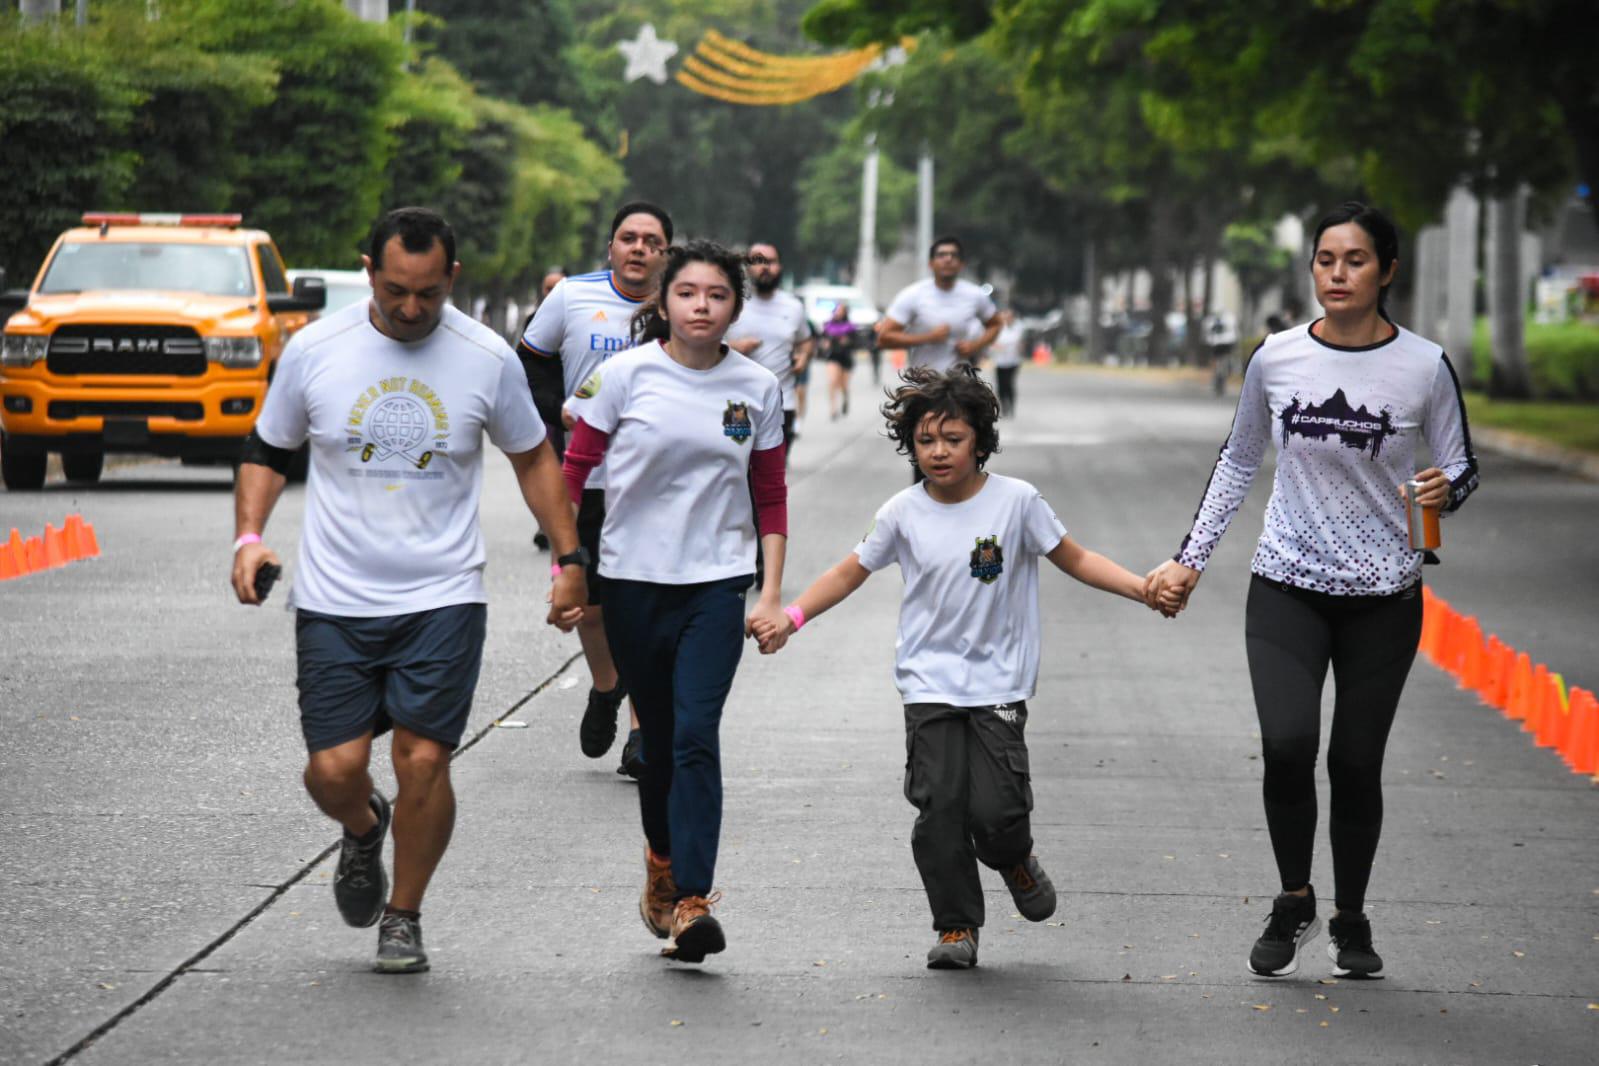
(1161, 226)
(1507, 304)
(40, 10)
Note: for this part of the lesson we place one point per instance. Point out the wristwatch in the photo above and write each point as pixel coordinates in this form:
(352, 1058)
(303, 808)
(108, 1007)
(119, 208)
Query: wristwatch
(580, 557)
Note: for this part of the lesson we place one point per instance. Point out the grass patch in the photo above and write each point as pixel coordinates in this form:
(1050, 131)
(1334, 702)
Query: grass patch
(1572, 425)
(1563, 358)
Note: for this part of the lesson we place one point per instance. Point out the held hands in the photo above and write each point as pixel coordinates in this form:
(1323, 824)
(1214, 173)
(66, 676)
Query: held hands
(770, 625)
(566, 599)
(1434, 488)
(246, 561)
(1168, 586)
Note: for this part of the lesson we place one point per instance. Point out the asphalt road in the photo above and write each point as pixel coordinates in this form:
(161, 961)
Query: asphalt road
(160, 884)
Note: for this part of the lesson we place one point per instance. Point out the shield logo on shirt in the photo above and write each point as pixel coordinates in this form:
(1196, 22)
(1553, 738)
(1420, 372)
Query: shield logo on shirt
(590, 388)
(736, 421)
(988, 560)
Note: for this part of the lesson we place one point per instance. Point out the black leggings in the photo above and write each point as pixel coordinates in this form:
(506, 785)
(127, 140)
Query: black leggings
(1370, 641)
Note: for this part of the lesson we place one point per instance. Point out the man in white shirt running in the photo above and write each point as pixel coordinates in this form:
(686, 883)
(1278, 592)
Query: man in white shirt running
(583, 322)
(932, 318)
(395, 397)
(772, 329)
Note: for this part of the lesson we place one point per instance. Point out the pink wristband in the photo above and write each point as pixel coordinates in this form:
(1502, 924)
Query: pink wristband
(796, 616)
(555, 570)
(246, 538)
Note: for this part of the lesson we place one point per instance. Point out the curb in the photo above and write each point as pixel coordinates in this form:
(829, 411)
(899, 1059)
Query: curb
(1533, 450)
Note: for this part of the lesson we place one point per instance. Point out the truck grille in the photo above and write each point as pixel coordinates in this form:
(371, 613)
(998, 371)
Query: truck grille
(118, 350)
(65, 410)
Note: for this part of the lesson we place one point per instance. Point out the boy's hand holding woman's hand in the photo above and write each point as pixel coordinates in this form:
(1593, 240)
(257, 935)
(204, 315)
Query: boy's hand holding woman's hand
(771, 627)
(1168, 586)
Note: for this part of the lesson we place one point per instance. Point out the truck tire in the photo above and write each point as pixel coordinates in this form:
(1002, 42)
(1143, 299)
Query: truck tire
(83, 467)
(22, 471)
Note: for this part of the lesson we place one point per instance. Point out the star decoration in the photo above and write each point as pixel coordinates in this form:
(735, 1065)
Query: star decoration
(647, 56)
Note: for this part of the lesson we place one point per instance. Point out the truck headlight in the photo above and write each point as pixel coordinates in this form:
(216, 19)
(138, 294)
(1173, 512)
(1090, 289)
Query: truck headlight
(234, 351)
(23, 349)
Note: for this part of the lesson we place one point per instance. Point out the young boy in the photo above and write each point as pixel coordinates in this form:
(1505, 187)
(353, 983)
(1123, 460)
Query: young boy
(968, 544)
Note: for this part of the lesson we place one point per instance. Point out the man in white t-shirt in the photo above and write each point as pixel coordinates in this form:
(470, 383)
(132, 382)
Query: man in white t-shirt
(584, 321)
(772, 329)
(932, 319)
(395, 397)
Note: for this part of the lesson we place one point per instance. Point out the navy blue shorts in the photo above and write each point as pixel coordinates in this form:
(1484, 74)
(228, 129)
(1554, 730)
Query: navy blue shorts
(365, 675)
(590, 521)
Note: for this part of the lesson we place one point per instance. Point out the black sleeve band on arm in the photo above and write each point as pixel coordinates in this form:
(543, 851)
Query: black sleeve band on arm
(261, 453)
(546, 380)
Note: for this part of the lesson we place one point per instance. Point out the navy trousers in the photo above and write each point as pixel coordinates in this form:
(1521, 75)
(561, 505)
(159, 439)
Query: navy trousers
(679, 646)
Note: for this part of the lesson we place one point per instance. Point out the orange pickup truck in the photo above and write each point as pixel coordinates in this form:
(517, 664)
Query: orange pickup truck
(143, 333)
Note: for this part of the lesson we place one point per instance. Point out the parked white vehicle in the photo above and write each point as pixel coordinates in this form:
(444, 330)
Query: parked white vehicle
(345, 287)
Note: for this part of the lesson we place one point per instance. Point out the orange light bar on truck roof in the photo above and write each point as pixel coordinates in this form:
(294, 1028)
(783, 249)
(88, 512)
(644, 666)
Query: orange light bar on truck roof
(108, 218)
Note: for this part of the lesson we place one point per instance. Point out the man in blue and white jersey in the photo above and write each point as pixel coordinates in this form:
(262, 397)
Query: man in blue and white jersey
(584, 321)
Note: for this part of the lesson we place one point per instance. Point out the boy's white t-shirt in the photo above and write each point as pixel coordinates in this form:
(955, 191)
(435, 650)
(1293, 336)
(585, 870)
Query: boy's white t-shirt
(968, 623)
(677, 497)
(396, 432)
(922, 307)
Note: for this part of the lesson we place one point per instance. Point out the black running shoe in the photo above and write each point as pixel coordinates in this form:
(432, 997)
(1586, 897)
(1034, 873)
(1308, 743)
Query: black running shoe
(360, 885)
(632, 758)
(1349, 947)
(598, 731)
(400, 946)
(1292, 924)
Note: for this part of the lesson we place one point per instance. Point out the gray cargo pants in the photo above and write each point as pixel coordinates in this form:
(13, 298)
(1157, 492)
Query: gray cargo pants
(966, 773)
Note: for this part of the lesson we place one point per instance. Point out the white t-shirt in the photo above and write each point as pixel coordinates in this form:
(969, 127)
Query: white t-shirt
(968, 623)
(677, 502)
(1008, 346)
(1346, 423)
(584, 321)
(396, 431)
(923, 307)
(778, 322)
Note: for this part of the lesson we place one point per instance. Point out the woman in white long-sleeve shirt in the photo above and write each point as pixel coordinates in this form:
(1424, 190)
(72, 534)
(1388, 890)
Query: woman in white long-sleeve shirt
(1346, 399)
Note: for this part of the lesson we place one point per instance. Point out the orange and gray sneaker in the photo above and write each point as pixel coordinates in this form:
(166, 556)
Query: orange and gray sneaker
(956, 950)
(655, 902)
(1031, 889)
(695, 934)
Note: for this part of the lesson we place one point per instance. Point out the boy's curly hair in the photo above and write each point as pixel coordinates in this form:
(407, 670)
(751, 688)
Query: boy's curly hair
(954, 393)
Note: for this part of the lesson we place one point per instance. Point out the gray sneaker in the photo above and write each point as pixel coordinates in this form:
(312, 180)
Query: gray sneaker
(360, 884)
(1031, 888)
(956, 950)
(400, 946)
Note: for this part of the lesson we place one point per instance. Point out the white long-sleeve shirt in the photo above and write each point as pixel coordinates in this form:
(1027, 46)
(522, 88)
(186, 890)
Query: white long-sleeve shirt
(1346, 422)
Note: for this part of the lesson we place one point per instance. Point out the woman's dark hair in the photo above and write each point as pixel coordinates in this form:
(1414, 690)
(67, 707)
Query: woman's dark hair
(649, 324)
(954, 393)
(418, 229)
(1384, 236)
(641, 207)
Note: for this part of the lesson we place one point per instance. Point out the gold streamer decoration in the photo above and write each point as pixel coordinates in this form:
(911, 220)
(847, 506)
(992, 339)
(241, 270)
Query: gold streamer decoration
(731, 71)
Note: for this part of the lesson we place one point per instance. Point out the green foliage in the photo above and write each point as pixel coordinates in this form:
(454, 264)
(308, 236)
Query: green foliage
(830, 203)
(1563, 358)
(1257, 260)
(1571, 425)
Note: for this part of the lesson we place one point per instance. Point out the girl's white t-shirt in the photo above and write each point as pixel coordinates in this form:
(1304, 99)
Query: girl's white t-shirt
(968, 623)
(396, 432)
(677, 495)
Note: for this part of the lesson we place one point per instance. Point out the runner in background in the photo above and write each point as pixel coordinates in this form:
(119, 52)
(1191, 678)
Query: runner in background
(838, 334)
(584, 321)
(1008, 355)
(931, 318)
(772, 329)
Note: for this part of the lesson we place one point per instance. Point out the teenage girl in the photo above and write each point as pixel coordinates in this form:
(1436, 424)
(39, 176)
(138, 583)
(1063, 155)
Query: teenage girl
(686, 432)
(967, 543)
(1347, 398)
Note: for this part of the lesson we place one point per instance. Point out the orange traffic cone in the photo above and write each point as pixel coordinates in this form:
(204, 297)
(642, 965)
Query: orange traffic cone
(8, 563)
(1504, 672)
(1553, 715)
(1042, 356)
(1582, 750)
(1520, 688)
(35, 552)
(1430, 617)
(87, 542)
(1534, 699)
(1466, 661)
(55, 547)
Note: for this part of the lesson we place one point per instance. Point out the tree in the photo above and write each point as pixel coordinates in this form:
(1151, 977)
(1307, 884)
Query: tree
(829, 191)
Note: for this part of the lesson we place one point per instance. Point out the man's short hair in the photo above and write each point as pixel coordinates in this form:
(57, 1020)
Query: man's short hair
(418, 228)
(960, 249)
(641, 207)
